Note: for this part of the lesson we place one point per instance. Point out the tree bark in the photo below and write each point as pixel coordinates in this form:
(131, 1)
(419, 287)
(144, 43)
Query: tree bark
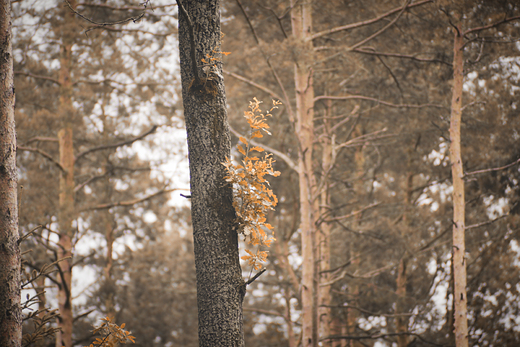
(301, 22)
(10, 312)
(65, 218)
(66, 209)
(220, 287)
(459, 263)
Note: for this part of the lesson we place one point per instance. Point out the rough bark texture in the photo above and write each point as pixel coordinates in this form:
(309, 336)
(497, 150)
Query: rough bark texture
(10, 313)
(301, 21)
(220, 287)
(459, 263)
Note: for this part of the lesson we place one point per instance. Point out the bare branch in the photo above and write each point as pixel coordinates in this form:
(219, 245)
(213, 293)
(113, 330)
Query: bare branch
(99, 24)
(382, 30)
(478, 225)
(505, 20)
(128, 202)
(283, 156)
(364, 50)
(91, 179)
(258, 274)
(367, 22)
(254, 84)
(493, 169)
(43, 154)
(380, 336)
(41, 139)
(273, 71)
(385, 103)
(352, 214)
(45, 78)
(118, 144)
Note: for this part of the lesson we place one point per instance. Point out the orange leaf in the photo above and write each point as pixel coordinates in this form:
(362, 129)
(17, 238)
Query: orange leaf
(241, 150)
(243, 139)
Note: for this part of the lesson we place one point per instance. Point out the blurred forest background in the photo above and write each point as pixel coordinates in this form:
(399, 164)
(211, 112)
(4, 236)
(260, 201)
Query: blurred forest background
(103, 98)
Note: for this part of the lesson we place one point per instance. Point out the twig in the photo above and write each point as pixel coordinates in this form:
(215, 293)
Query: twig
(37, 77)
(258, 274)
(492, 169)
(28, 234)
(43, 154)
(284, 157)
(469, 31)
(104, 24)
(362, 42)
(118, 144)
(254, 84)
(361, 97)
(128, 202)
(367, 22)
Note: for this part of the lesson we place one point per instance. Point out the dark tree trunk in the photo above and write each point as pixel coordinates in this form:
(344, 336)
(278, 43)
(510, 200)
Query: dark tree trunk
(10, 313)
(220, 287)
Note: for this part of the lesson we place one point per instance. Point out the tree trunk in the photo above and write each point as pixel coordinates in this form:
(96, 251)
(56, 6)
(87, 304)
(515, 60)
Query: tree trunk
(324, 311)
(301, 22)
(459, 263)
(10, 312)
(220, 287)
(66, 194)
(65, 218)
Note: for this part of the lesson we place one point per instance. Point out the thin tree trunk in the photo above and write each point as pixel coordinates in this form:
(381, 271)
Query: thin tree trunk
(65, 218)
(301, 21)
(10, 312)
(66, 193)
(459, 263)
(220, 287)
(324, 311)
(401, 282)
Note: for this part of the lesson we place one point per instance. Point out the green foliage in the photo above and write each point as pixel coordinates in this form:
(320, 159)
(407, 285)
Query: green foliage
(252, 198)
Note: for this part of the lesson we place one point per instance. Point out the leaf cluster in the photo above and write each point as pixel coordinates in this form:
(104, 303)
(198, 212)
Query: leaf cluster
(112, 334)
(252, 197)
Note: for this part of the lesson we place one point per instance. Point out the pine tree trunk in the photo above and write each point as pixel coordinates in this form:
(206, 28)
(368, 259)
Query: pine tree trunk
(324, 311)
(459, 263)
(220, 287)
(66, 213)
(65, 218)
(301, 21)
(10, 312)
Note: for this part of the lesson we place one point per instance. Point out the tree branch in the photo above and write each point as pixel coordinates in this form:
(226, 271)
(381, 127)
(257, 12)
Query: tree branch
(398, 55)
(99, 24)
(46, 78)
(43, 154)
(283, 156)
(128, 202)
(360, 97)
(254, 84)
(474, 30)
(380, 336)
(382, 30)
(118, 144)
(367, 22)
(493, 169)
